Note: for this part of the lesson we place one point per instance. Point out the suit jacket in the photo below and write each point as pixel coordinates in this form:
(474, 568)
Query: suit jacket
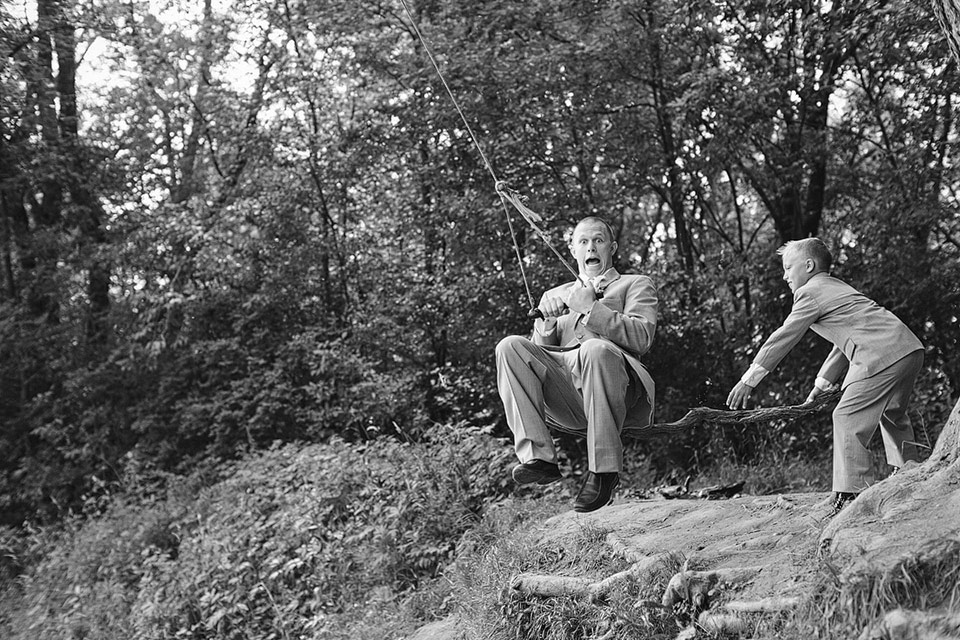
(867, 338)
(626, 315)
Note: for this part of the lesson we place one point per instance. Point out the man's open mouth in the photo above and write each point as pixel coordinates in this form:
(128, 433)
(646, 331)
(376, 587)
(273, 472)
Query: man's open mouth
(591, 261)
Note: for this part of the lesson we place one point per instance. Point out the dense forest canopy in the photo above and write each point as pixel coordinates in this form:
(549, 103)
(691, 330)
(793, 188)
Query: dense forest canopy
(225, 224)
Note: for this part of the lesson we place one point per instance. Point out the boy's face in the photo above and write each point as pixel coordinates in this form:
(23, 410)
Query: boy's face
(797, 270)
(593, 248)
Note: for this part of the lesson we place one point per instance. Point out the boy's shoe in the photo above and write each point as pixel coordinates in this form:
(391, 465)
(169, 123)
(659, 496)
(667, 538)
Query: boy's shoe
(842, 500)
(596, 491)
(537, 471)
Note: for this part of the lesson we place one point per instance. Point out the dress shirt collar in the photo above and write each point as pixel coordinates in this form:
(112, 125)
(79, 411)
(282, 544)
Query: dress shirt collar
(601, 281)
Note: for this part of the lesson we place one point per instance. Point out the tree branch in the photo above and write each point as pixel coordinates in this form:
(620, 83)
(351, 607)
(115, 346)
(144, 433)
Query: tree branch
(707, 415)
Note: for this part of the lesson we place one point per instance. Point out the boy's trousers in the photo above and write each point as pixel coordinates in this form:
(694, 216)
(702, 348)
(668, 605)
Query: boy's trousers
(879, 401)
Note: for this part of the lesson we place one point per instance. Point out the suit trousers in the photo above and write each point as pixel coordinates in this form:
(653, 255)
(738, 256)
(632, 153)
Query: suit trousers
(588, 389)
(879, 401)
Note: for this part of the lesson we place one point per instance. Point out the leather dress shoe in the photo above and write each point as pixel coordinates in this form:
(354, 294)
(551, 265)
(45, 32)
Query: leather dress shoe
(597, 491)
(537, 471)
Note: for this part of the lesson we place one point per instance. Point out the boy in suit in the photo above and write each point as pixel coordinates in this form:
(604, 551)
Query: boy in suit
(581, 369)
(882, 357)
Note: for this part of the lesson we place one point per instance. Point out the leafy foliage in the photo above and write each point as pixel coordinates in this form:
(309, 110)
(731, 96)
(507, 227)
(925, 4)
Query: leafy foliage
(292, 541)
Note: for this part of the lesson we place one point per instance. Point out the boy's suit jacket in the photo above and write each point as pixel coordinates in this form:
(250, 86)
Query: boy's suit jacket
(866, 337)
(626, 315)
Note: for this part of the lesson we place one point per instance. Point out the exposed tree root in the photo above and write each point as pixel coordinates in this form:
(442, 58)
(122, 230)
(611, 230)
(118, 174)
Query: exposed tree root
(763, 605)
(726, 619)
(697, 587)
(717, 624)
(548, 586)
(904, 624)
(887, 528)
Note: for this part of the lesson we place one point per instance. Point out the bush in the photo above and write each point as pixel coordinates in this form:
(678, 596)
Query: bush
(88, 572)
(313, 541)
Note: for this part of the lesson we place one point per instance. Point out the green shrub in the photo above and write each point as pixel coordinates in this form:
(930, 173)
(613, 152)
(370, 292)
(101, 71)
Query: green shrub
(88, 572)
(315, 541)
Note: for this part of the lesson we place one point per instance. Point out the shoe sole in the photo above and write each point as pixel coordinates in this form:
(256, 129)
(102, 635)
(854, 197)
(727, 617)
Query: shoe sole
(523, 476)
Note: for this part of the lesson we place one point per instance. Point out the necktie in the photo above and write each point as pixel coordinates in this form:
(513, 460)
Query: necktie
(599, 285)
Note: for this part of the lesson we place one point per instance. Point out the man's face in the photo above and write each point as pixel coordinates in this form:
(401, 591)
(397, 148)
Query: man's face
(593, 248)
(796, 270)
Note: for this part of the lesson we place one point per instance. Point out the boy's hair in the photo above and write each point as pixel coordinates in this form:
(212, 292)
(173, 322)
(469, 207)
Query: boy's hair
(808, 248)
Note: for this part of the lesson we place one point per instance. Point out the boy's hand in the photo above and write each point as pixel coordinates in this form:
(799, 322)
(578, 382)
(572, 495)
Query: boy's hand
(739, 395)
(822, 385)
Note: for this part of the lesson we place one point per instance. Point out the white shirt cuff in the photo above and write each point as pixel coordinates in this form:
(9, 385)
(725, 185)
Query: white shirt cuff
(754, 375)
(823, 384)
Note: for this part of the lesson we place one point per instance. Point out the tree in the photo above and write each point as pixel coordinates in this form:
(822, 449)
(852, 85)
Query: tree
(52, 220)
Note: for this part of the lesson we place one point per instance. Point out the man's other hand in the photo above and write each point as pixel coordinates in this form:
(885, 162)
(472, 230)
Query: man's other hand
(582, 298)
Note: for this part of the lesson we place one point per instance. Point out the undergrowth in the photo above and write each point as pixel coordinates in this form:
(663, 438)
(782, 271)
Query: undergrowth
(324, 541)
(373, 540)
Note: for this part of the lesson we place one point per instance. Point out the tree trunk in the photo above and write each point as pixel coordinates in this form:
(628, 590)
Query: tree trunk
(184, 183)
(903, 513)
(672, 194)
(91, 212)
(39, 251)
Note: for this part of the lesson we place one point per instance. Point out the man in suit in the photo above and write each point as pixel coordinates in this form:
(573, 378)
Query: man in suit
(581, 369)
(882, 357)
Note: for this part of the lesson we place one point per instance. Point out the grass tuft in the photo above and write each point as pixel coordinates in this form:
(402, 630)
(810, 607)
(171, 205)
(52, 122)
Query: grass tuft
(846, 604)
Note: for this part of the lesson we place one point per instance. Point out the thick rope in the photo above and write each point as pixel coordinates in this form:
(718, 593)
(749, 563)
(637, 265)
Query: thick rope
(476, 143)
(532, 218)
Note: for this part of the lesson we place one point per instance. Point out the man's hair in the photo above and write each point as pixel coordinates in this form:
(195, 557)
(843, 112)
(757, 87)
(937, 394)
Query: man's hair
(597, 220)
(808, 248)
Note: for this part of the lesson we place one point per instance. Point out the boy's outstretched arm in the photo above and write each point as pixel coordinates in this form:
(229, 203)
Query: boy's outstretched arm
(803, 314)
